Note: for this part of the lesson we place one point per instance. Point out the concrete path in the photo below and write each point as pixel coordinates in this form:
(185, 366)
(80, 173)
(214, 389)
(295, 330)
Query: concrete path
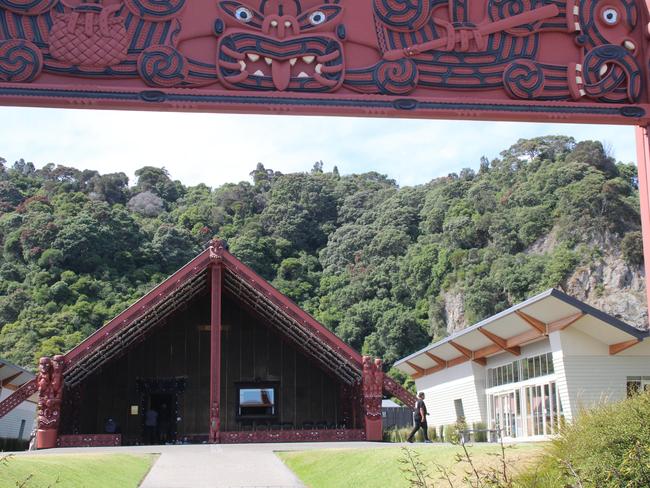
(218, 466)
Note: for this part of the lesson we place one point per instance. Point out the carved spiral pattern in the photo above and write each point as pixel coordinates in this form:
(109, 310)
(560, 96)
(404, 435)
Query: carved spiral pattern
(396, 77)
(523, 79)
(162, 66)
(403, 15)
(155, 10)
(27, 7)
(20, 61)
(622, 81)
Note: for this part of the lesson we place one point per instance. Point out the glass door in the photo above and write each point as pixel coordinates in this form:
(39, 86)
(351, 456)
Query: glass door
(543, 409)
(506, 413)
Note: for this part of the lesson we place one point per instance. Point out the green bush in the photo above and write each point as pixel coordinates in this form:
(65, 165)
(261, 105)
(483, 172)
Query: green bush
(607, 447)
(452, 434)
(400, 435)
(480, 436)
(8, 445)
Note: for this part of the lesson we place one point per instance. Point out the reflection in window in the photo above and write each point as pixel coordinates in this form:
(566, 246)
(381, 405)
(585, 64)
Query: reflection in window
(520, 370)
(256, 402)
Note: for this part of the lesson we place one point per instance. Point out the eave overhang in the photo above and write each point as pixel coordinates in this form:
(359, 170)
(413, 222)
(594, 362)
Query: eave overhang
(524, 323)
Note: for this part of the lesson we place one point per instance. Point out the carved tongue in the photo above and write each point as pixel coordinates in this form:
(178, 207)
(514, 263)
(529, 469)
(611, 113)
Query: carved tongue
(281, 71)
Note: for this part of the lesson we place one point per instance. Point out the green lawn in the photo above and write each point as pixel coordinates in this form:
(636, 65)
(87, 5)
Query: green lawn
(379, 467)
(74, 470)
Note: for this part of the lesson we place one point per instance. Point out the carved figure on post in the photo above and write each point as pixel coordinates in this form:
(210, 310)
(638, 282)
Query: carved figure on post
(50, 395)
(372, 385)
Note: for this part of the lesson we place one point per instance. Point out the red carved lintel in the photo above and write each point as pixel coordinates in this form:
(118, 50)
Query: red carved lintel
(215, 349)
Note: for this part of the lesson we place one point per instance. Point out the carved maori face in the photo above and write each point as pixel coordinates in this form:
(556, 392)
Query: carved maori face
(280, 45)
(44, 366)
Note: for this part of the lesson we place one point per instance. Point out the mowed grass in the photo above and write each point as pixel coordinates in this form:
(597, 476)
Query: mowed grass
(379, 467)
(74, 470)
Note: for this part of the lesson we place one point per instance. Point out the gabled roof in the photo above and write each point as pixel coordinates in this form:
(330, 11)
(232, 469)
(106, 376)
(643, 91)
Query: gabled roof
(523, 323)
(240, 283)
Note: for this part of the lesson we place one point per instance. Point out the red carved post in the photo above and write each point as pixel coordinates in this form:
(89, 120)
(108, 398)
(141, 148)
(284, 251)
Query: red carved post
(216, 255)
(372, 384)
(50, 395)
(643, 165)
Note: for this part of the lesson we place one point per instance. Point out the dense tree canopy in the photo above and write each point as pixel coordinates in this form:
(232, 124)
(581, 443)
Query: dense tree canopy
(372, 261)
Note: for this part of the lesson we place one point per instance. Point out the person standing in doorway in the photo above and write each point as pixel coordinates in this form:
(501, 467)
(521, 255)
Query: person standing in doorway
(151, 426)
(420, 419)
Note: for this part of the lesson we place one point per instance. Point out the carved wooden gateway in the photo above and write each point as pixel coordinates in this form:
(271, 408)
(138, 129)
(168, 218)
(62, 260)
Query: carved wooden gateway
(583, 61)
(566, 60)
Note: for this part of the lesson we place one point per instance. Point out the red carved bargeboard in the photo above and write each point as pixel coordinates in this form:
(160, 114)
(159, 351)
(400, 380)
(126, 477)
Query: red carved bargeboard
(325, 435)
(563, 60)
(90, 440)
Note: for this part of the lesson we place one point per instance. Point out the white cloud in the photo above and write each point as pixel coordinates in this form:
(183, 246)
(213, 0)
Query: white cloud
(214, 149)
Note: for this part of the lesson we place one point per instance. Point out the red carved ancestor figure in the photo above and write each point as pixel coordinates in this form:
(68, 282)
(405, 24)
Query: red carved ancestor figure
(280, 45)
(372, 385)
(50, 394)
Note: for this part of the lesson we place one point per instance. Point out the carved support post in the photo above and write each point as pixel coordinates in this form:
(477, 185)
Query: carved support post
(50, 396)
(216, 255)
(643, 165)
(372, 386)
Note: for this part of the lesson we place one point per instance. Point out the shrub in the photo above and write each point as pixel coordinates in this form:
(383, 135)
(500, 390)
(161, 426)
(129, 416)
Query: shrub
(607, 447)
(451, 434)
(480, 431)
(400, 435)
(7, 445)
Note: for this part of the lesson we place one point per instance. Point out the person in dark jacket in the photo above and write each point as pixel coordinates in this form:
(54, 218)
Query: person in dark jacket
(420, 419)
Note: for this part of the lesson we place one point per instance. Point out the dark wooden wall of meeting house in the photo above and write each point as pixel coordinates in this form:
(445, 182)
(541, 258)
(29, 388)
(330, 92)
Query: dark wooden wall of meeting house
(179, 349)
(252, 352)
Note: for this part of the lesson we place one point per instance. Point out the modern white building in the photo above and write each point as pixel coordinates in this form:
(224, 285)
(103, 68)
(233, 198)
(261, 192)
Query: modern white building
(528, 367)
(18, 423)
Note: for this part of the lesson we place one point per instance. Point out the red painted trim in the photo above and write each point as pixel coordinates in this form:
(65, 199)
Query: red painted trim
(136, 310)
(215, 351)
(289, 307)
(328, 435)
(89, 440)
(643, 161)
(17, 397)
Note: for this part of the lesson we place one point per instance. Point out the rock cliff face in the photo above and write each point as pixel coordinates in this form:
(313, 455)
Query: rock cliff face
(613, 286)
(608, 283)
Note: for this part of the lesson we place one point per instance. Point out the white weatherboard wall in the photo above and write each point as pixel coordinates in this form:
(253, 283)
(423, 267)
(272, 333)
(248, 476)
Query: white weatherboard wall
(10, 423)
(465, 381)
(592, 375)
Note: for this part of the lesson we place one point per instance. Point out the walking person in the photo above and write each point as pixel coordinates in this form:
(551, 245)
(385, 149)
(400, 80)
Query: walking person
(420, 419)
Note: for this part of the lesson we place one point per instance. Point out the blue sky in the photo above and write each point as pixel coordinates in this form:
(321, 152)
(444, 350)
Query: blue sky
(215, 149)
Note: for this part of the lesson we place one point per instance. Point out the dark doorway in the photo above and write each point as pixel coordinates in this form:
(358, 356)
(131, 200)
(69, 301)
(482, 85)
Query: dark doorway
(160, 398)
(160, 419)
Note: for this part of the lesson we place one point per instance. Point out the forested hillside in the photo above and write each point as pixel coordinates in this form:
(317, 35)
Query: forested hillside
(387, 268)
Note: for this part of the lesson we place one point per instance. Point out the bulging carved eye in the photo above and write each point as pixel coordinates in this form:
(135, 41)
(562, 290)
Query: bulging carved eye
(317, 17)
(243, 14)
(610, 16)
